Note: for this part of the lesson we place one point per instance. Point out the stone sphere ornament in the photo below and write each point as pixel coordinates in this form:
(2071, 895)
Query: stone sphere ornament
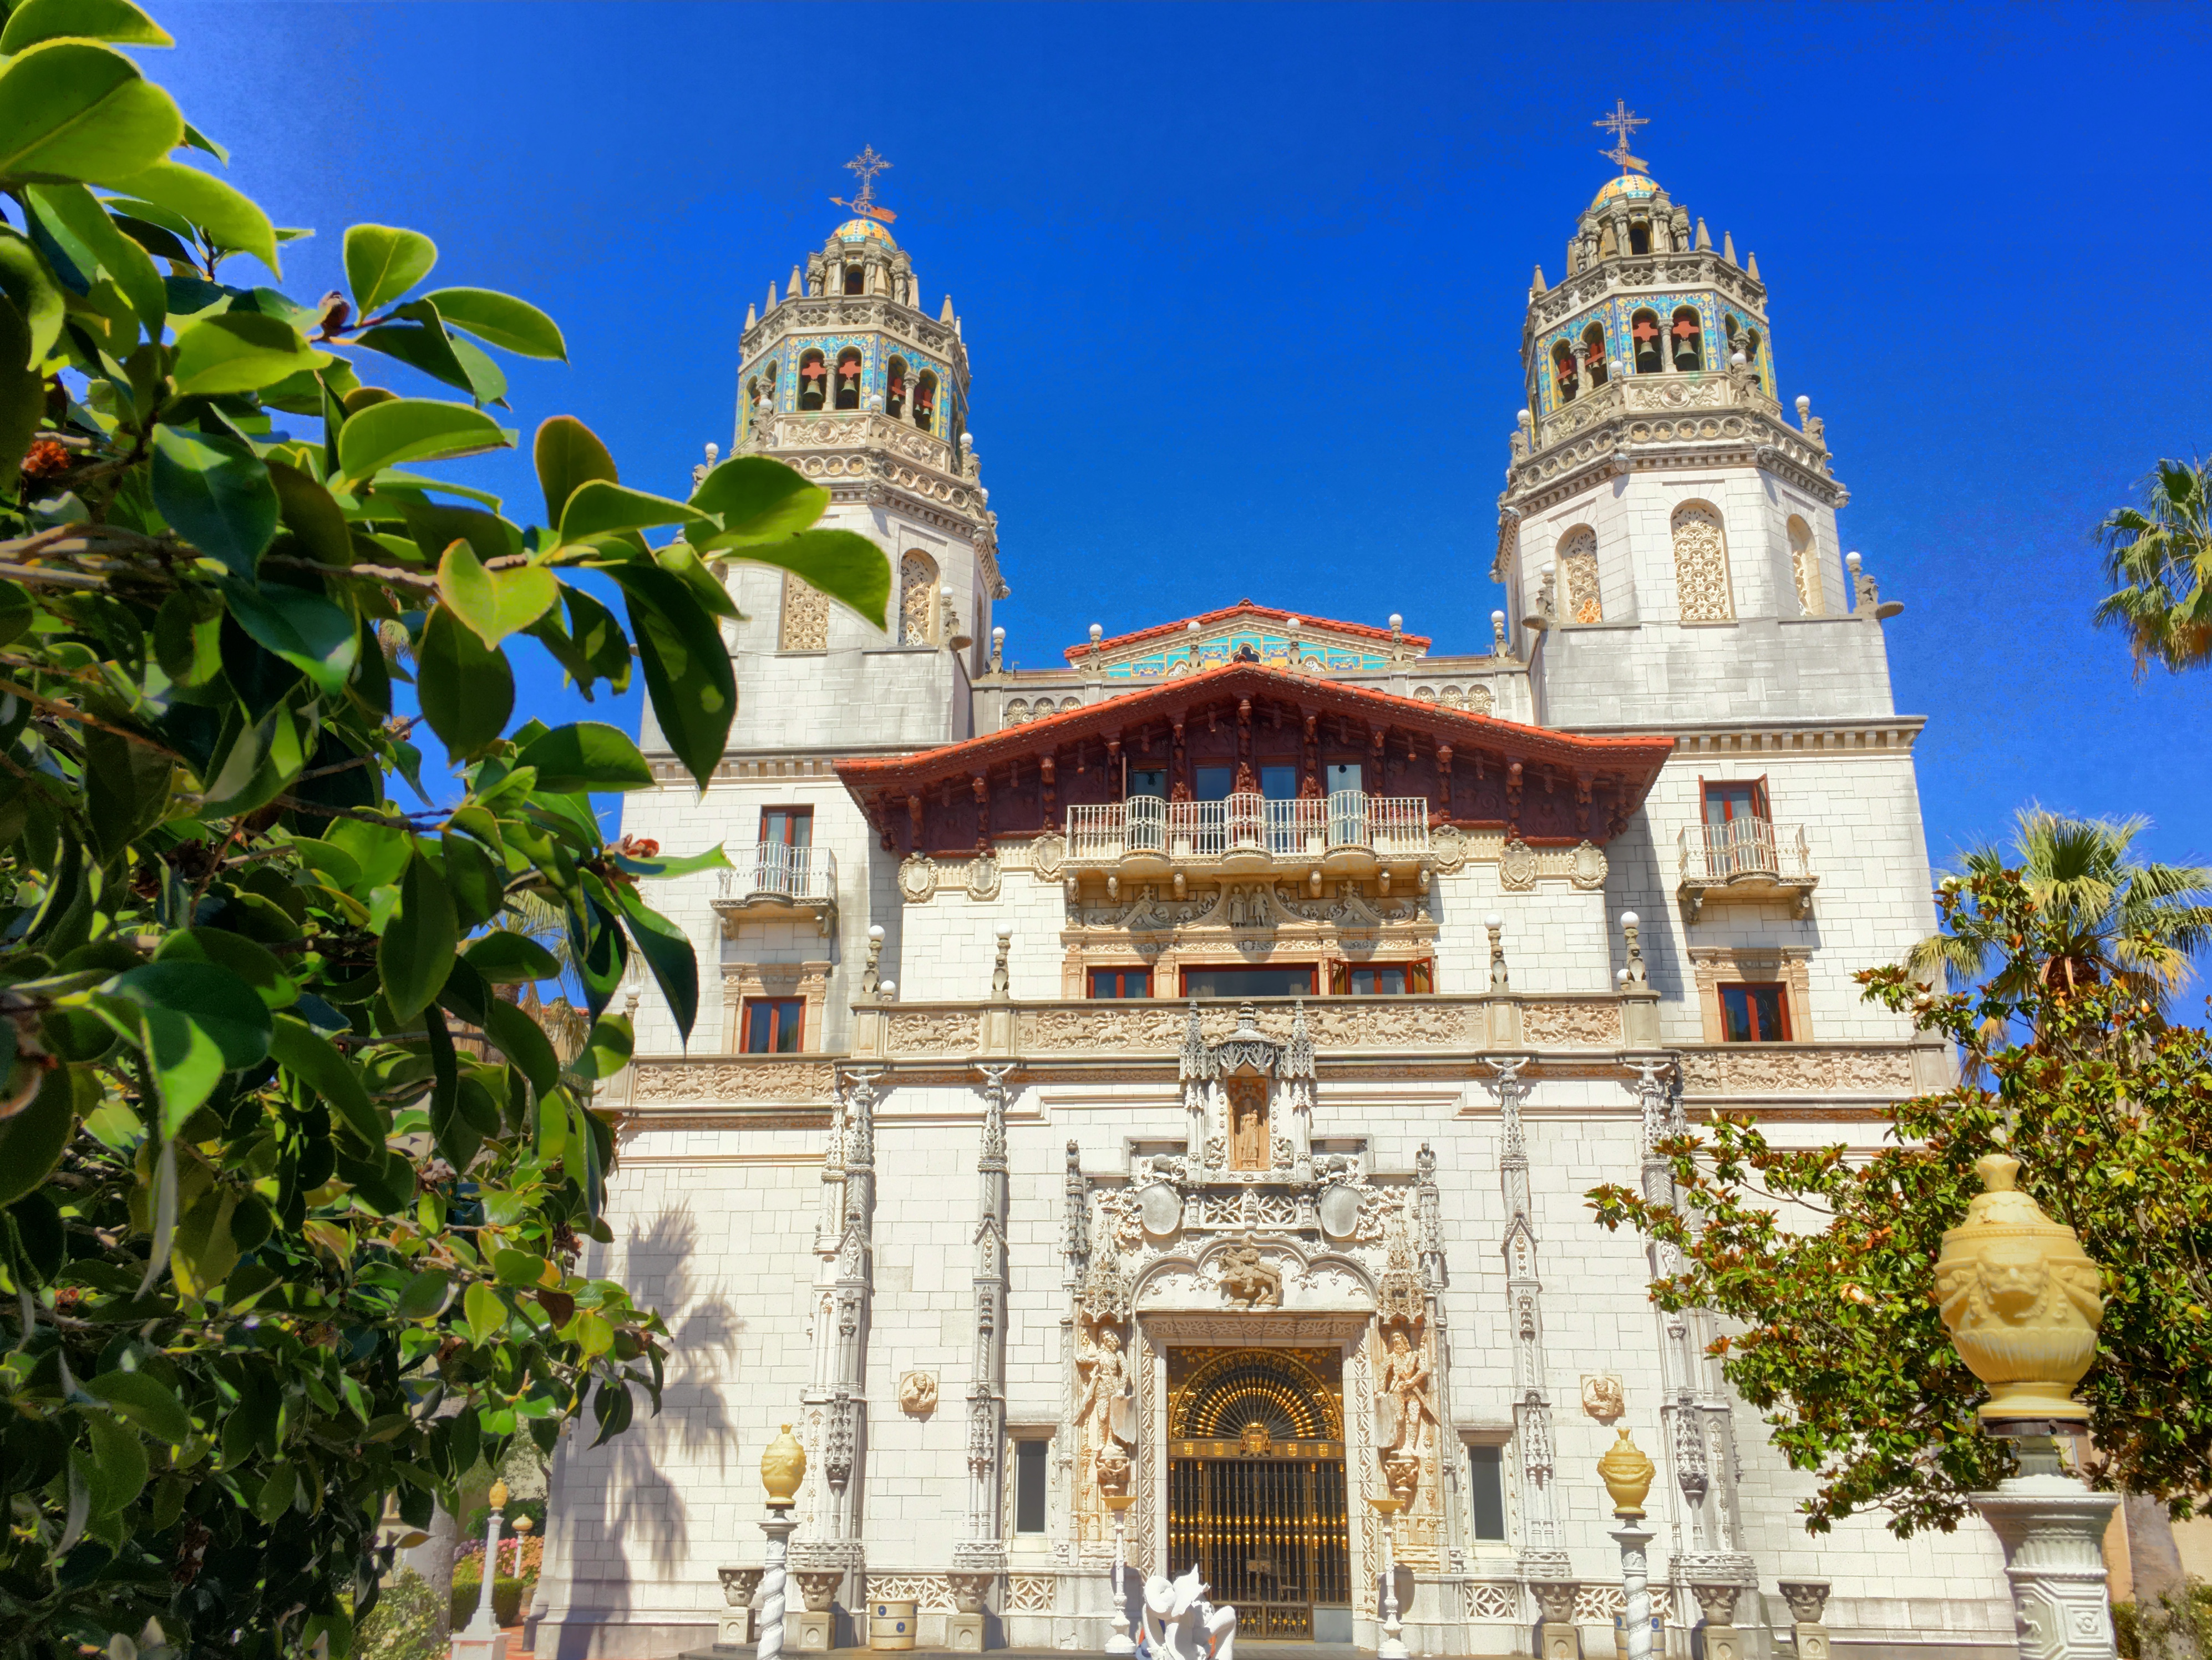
(783, 1466)
(1626, 1470)
(2021, 1299)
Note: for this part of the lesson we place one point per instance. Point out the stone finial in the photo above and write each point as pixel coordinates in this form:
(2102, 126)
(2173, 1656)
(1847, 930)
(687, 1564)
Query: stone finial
(1001, 981)
(945, 313)
(1500, 982)
(1539, 286)
(771, 295)
(752, 315)
(1751, 267)
(783, 1466)
(869, 978)
(1804, 408)
(1728, 248)
(797, 286)
(1497, 634)
(1626, 1470)
(1704, 241)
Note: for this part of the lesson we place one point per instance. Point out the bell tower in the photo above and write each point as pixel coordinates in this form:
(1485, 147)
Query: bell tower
(845, 376)
(1667, 538)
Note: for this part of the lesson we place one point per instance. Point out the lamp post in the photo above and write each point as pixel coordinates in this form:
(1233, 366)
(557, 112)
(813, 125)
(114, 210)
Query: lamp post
(1393, 1645)
(783, 1466)
(1627, 1471)
(2019, 1297)
(1123, 1641)
(483, 1640)
(523, 1525)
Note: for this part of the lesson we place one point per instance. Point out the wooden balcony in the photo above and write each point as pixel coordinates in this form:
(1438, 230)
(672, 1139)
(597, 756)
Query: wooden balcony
(1745, 859)
(1345, 834)
(775, 882)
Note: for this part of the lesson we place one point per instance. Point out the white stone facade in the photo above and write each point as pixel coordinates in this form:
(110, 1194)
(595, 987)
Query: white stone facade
(821, 1229)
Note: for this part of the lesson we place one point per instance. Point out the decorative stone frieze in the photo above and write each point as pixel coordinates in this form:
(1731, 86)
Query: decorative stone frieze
(764, 1078)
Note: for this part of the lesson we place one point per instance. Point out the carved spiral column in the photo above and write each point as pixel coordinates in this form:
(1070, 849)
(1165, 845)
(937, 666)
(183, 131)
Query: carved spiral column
(837, 1543)
(983, 1548)
(1543, 1555)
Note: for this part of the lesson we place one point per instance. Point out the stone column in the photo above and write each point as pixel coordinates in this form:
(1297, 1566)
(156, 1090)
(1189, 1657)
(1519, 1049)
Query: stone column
(1635, 1588)
(778, 1529)
(840, 1391)
(2053, 1530)
(981, 1555)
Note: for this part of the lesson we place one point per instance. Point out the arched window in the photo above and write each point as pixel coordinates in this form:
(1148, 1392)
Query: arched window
(1593, 338)
(813, 380)
(1643, 329)
(848, 378)
(1701, 567)
(1639, 237)
(894, 388)
(925, 401)
(853, 280)
(1578, 575)
(750, 417)
(1805, 568)
(917, 599)
(805, 625)
(1562, 372)
(1688, 338)
(1750, 344)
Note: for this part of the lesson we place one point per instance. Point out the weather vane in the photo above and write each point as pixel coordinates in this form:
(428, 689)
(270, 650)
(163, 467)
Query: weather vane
(1622, 124)
(865, 166)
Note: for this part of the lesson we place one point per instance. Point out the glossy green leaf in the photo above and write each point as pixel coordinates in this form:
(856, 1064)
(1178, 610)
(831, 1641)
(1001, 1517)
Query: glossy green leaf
(667, 951)
(682, 562)
(568, 455)
(416, 953)
(120, 255)
(506, 957)
(518, 1267)
(255, 964)
(754, 499)
(502, 320)
(467, 688)
(658, 868)
(127, 787)
(494, 603)
(240, 351)
(599, 507)
(118, 21)
(424, 1295)
(436, 526)
(229, 219)
(145, 1401)
(594, 1334)
(216, 493)
(311, 513)
(586, 755)
(277, 1491)
(314, 635)
(486, 1315)
(72, 110)
(524, 1042)
(313, 1058)
(842, 564)
(486, 381)
(608, 1049)
(32, 1140)
(211, 997)
(119, 1463)
(687, 668)
(22, 388)
(477, 881)
(26, 279)
(413, 429)
(254, 760)
(383, 262)
(416, 335)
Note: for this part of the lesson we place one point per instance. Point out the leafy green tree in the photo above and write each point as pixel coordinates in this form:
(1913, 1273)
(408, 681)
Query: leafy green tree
(1824, 1264)
(2113, 916)
(2159, 558)
(293, 1189)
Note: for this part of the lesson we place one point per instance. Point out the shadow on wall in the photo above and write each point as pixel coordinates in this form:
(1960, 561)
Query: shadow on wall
(622, 1518)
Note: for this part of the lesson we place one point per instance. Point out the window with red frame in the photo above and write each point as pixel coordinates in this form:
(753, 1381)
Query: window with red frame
(1379, 979)
(1120, 982)
(1754, 1014)
(772, 1025)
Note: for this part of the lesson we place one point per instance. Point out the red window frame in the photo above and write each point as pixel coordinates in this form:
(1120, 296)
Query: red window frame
(794, 826)
(1366, 979)
(1312, 974)
(1709, 798)
(771, 1021)
(1120, 982)
(1742, 1011)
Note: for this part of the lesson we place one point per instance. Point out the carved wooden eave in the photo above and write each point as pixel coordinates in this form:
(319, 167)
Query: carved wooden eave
(1476, 772)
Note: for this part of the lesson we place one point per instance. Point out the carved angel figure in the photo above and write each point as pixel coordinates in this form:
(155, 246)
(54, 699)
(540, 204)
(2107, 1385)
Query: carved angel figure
(1406, 1384)
(1107, 1382)
(1180, 1624)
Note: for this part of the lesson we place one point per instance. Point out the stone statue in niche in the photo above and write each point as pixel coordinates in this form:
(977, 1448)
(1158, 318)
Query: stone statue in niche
(1412, 1406)
(1107, 1382)
(1249, 1144)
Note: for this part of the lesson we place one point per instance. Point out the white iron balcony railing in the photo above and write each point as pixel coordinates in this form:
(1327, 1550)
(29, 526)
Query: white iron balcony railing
(1751, 856)
(772, 871)
(1389, 827)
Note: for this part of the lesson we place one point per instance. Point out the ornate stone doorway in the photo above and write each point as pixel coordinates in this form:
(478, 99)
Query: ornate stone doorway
(1256, 1482)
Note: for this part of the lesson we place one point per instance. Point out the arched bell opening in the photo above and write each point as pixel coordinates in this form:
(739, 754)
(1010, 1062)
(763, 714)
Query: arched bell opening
(813, 380)
(1687, 335)
(848, 378)
(894, 388)
(1564, 375)
(1643, 329)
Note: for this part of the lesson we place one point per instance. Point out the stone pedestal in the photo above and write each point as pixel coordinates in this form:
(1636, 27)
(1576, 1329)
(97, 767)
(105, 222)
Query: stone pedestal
(474, 1645)
(2052, 1529)
(1807, 1598)
(963, 1627)
(1718, 1603)
(809, 1633)
(1556, 1636)
(734, 1626)
(963, 1632)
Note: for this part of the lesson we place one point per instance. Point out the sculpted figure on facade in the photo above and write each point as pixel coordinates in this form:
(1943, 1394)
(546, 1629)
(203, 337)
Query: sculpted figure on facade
(1105, 1371)
(1411, 1409)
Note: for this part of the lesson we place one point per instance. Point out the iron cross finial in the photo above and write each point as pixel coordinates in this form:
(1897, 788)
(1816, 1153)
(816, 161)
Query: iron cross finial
(865, 166)
(1622, 124)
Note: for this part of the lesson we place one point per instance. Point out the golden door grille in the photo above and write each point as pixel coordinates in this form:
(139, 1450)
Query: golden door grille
(1268, 1534)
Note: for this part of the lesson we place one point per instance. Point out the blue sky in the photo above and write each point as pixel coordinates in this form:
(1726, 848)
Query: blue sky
(1242, 285)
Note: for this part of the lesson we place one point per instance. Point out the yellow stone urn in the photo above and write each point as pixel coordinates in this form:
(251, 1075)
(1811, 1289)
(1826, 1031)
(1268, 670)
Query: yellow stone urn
(783, 1466)
(1627, 1470)
(2021, 1299)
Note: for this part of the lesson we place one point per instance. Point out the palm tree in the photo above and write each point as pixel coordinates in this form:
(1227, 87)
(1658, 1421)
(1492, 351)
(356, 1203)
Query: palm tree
(563, 1017)
(2160, 557)
(2121, 919)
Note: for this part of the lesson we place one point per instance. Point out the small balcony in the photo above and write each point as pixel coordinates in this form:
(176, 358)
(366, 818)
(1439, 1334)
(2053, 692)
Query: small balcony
(773, 881)
(1346, 834)
(1745, 859)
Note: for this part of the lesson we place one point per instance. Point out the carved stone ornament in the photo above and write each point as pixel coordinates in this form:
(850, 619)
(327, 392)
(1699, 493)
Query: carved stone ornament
(917, 1393)
(1603, 1397)
(1516, 867)
(917, 878)
(983, 878)
(1048, 854)
(739, 1585)
(819, 1587)
(1588, 871)
(1113, 1469)
(968, 1591)
(1339, 1210)
(2021, 1299)
(1716, 1602)
(1160, 1208)
(1556, 1598)
(1806, 1598)
(1249, 1280)
(1448, 847)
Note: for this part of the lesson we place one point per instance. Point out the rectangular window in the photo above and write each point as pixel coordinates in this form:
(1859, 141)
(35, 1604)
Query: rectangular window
(1280, 783)
(1120, 982)
(1344, 775)
(1486, 1471)
(772, 1025)
(1289, 981)
(1149, 780)
(1379, 979)
(1212, 783)
(787, 827)
(1029, 1485)
(1727, 801)
(1754, 1014)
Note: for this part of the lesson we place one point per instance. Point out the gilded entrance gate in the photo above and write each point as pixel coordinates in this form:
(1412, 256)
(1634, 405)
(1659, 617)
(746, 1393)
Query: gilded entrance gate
(1256, 1484)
